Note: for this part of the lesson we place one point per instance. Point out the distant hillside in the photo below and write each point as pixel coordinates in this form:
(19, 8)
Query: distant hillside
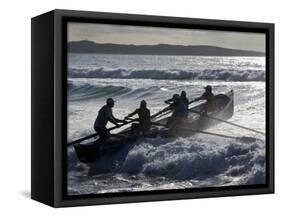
(159, 49)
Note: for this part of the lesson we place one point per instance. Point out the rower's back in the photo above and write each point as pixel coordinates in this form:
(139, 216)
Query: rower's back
(185, 102)
(144, 117)
(184, 99)
(180, 110)
(104, 114)
(210, 98)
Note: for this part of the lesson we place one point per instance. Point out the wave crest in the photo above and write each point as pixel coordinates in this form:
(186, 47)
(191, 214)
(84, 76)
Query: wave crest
(83, 91)
(173, 74)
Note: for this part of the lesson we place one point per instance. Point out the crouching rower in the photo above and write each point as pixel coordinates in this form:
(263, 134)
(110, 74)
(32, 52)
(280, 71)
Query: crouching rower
(105, 115)
(182, 97)
(180, 112)
(144, 119)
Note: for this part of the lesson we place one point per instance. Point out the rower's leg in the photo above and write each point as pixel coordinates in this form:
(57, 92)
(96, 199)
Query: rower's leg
(204, 110)
(135, 129)
(104, 135)
(170, 121)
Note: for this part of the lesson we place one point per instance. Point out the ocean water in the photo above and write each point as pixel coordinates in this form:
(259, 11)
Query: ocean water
(155, 164)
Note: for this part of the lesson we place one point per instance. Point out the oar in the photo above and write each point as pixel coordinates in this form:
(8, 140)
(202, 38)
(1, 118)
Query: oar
(159, 113)
(164, 114)
(95, 134)
(192, 101)
(236, 125)
(244, 139)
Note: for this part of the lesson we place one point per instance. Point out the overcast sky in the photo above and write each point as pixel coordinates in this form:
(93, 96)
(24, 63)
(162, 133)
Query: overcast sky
(137, 35)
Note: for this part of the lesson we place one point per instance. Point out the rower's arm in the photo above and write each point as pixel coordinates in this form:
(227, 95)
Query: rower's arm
(113, 120)
(198, 99)
(132, 114)
(169, 101)
(195, 100)
(117, 120)
(110, 117)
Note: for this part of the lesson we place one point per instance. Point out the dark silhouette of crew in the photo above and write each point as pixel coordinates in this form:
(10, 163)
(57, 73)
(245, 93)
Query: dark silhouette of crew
(182, 97)
(209, 97)
(144, 119)
(104, 116)
(179, 110)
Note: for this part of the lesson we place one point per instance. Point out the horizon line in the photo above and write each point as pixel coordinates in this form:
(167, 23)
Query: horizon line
(86, 40)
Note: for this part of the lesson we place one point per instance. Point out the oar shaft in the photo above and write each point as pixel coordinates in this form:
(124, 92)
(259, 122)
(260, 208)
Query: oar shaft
(200, 131)
(209, 133)
(81, 139)
(158, 113)
(164, 114)
(230, 123)
(243, 139)
(95, 134)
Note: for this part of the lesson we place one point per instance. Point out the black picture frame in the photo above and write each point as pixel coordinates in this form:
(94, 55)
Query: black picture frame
(49, 91)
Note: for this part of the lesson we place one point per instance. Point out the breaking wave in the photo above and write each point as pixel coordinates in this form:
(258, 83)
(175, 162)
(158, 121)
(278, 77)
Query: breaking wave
(230, 163)
(183, 160)
(173, 74)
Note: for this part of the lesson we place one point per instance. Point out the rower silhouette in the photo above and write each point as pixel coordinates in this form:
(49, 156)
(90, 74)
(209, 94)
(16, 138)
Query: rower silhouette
(144, 119)
(209, 97)
(183, 98)
(105, 115)
(180, 111)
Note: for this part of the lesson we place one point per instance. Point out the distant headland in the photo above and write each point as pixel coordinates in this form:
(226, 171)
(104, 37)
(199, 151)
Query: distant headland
(159, 49)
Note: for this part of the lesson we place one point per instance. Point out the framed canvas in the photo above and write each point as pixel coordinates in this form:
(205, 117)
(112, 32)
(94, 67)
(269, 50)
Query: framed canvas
(134, 108)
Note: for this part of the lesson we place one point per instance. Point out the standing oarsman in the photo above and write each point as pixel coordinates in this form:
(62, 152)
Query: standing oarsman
(209, 97)
(105, 115)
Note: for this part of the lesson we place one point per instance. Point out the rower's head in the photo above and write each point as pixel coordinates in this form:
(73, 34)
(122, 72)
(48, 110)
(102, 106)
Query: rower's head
(208, 88)
(143, 104)
(183, 94)
(110, 102)
(176, 98)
